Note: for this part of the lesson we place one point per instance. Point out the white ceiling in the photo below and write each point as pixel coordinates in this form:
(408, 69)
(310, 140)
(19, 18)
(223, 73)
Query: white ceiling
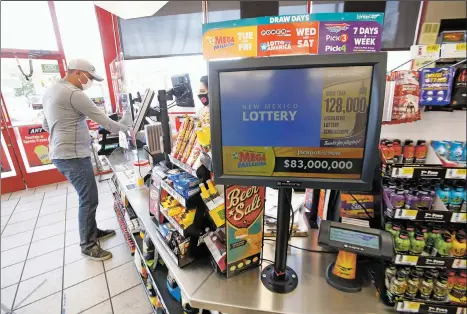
(131, 9)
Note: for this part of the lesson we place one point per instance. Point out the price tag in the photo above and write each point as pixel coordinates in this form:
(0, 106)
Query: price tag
(456, 173)
(406, 260)
(404, 172)
(461, 217)
(432, 48)
(459, 263)
(406, 214)
(406, 306)
(461, 47)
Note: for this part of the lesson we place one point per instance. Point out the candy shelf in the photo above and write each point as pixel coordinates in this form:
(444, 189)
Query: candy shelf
(183, 166)
(427, 308)
(122, 223)
(159, 277)
(430, 261)
(180, 263)
(172, 192)
(172, 221)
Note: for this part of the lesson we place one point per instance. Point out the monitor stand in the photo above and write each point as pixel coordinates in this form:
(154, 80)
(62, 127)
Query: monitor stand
(278, 277)
(342, 274)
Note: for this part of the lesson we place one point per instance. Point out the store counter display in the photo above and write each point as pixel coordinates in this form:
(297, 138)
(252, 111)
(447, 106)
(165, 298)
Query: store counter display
(204, 288)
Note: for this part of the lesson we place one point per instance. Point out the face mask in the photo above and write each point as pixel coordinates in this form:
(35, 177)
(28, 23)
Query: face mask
(87, 85)
(204, 99)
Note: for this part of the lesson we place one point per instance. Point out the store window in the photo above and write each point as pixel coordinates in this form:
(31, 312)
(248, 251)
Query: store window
(292, 7)
(400, 22)
(156, 73)
(80, 35)
(223, 11)
(23, 97)
(327, 6)
(27, 25)
(174, 30)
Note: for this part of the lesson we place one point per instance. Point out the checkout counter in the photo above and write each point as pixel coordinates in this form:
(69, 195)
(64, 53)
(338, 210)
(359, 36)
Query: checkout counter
(245, 293)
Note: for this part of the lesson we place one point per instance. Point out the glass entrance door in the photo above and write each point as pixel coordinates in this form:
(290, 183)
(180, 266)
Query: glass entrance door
(22, 97)
(11, 176)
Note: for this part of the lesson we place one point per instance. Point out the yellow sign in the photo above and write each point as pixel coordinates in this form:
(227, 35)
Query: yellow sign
(432, 48)
(230, 43)
(460, 47)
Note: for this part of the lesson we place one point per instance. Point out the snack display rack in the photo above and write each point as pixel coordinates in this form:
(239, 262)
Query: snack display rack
(135, 244)
(408, 262)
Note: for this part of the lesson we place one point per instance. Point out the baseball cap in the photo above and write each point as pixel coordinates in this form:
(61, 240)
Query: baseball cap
(84, 65)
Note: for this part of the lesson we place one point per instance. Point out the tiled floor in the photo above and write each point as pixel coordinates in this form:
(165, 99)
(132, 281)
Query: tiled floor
(42, 270)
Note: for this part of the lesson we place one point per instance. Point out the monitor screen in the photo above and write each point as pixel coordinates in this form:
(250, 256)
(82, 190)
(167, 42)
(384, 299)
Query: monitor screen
(354, 237)
(297, 121)
(302, 122)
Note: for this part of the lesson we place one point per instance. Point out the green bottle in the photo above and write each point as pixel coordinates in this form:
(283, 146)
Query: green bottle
(410, 229)
(402, 243)
(444, 244)
(412, 285)
(417, 244)
(396, 229)
(435, 233)
(426, 286)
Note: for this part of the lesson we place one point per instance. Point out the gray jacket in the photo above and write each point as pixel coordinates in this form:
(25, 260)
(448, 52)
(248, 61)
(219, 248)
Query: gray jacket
(65, 110)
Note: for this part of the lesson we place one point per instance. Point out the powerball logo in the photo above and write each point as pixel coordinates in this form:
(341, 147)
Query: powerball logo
(220, 42)
(337, 28)
(247, 159)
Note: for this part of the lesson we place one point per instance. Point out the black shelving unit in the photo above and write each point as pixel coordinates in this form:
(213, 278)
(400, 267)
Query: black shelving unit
(159, 277)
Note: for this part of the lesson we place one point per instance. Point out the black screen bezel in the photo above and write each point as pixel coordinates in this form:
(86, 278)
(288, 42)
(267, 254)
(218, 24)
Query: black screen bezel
(376, 60)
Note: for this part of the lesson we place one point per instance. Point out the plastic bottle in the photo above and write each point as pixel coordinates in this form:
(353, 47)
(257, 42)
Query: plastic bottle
(399, 284)
(429, 246)
(444, 244)
(457, 196)
(435, 233)
(444, 192)
(440, 289)
(417, 244)
(425, 200)
(420, 152)
(459, 245)
(408, 151)
(389, 151)
(397, 198)
(426, 286)
(410, 229)
(411, 199)
(396, 229)
(455, 153)
(412, 285)
(397, 150)
(459, 289)
(390, 272)
(402, 243)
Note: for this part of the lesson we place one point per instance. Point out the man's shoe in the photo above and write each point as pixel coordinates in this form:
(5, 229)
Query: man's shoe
(96, 253)
(104, 234)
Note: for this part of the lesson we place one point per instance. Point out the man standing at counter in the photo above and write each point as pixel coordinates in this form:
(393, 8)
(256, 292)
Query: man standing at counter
(66, 107)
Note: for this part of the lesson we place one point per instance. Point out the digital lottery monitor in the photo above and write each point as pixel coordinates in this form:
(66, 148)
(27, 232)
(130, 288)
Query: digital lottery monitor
(297, 121)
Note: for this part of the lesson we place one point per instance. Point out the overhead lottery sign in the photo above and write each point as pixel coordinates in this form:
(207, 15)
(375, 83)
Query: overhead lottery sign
(321, 33)
(290, 38)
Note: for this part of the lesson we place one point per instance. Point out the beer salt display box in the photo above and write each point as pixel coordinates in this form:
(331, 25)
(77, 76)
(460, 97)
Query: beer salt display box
(244, 206)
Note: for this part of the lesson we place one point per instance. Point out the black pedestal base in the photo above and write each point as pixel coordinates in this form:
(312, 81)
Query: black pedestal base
(344, 285)
(280, 286)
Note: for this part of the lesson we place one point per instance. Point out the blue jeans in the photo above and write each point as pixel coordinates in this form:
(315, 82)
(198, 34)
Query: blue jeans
(80, 174)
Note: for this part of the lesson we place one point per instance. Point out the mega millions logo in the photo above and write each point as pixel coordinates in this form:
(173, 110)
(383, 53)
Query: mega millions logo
(337, 27)
(220, 42)
(247, 159)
